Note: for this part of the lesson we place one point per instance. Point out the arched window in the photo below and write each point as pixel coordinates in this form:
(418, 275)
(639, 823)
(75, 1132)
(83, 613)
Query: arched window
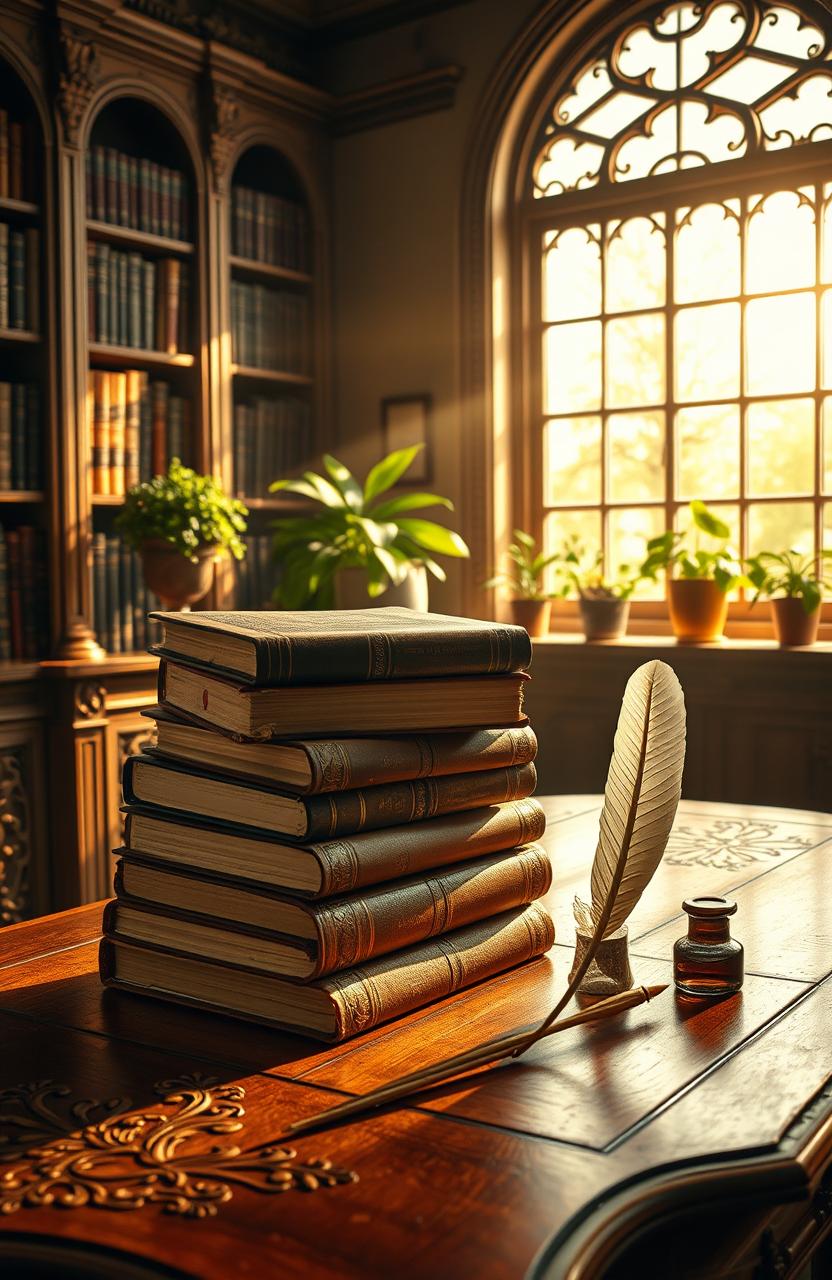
(677, 226)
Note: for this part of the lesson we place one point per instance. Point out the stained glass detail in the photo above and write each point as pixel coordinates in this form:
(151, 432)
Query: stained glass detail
(687, 85)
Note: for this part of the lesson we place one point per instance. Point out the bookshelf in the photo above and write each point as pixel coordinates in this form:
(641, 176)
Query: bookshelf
(273, 370)
(133, 138)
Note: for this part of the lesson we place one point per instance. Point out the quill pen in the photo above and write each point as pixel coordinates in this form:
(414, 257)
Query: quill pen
(640, 801)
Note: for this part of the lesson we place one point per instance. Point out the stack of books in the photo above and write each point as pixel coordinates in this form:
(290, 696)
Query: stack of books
(121, 598)
(269, 229)
(19, 278)
(24, 598)
(21, 452)
(335, 826)
(136, 192)
(256, 573)
(269, 436)
(269, 328)
(136, 426)
(137, 302)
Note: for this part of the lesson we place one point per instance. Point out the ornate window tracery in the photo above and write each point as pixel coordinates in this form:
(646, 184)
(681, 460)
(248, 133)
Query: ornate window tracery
(682, 331)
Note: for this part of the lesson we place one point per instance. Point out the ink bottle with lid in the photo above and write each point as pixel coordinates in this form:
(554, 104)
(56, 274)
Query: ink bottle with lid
(708, 962)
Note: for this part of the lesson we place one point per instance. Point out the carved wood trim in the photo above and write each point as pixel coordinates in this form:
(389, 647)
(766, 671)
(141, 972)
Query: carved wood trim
(16, 852)
(225, 115)
(78, 77)
(417, 95)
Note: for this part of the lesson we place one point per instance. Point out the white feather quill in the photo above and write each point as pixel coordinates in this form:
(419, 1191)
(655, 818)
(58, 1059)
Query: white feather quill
(640, 801)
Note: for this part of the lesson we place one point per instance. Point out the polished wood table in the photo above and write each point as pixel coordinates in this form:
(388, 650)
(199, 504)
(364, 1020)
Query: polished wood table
(685, 1139)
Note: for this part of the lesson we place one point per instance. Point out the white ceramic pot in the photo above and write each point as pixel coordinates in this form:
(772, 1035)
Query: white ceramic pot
(351, 591)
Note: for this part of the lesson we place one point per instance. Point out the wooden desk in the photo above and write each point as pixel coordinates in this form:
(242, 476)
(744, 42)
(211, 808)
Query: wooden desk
(698, 1134)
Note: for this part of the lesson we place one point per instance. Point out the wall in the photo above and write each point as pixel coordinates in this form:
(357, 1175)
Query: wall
(397, 202)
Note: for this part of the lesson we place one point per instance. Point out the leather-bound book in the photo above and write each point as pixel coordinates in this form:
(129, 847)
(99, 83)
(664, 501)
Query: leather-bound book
(330, 867)
(345, 1003)
(132, 428)
(336, 646)
(342, 764)
(149, 779)
(401, 706)
(118, 431)
(101, 432)
(215, 919)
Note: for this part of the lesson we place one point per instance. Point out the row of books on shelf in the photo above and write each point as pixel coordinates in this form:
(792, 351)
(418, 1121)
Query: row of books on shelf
(256, 574)
(269, 229)
(122, 601)
(269, 440)
(24, 597)
(135, 192)
(138, 302)
(21, 447)
(135, 426)
(269, 328)
(19, 278)
(15, 181)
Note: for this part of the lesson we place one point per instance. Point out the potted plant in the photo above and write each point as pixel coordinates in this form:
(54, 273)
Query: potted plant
(698, 581)
(794, 584)
(531, 604)
(604, 602)
(178, 523)
(356, 547)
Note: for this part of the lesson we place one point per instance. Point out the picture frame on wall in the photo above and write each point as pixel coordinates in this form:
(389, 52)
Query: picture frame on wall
(405, 421)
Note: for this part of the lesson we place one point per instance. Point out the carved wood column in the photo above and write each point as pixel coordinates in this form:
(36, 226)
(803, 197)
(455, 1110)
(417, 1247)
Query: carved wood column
(77, 76)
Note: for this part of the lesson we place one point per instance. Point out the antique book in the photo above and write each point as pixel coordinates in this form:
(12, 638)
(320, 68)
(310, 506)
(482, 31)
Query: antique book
(149, 779)
(211, 917)
(311, 710)
(344, 1003)
(342, 764)
(338, 646)
(330, 867)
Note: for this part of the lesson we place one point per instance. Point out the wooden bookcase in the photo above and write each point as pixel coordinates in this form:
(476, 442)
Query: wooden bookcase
(88, 79)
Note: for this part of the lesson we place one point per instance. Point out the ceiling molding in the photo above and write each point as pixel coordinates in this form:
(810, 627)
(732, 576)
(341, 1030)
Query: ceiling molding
(417, 95)
(334, 20)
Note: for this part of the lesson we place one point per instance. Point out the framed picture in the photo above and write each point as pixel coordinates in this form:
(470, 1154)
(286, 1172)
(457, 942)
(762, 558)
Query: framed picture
(406, 420)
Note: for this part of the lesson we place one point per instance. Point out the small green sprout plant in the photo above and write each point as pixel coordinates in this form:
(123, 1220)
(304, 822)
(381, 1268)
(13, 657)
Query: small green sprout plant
(585, 575)
(525, 577)
(679, 554)
(790, 574)
(186, 510)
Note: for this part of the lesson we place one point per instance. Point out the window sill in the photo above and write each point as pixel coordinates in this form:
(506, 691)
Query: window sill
(727, 645)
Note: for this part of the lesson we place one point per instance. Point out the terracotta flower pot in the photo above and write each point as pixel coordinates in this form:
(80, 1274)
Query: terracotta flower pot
(534, 615)
(792, 624)
(698, 610)
(604, 619)
(351, 591)
(175, 579)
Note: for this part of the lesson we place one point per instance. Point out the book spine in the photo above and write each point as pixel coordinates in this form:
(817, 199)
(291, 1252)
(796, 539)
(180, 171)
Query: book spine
(32, 302)
(123, 189)
(99, 178)
(18, 436)
(5, 435)
(491, 650)
(99, 579)
(434, 970)
(111, 183)
(34, 439)
(118, 420)
(376, 856)
(5, 627)
(135, 283)
(132, 428)
(17, 280)
(114, 644)
(29, 604)
(15, 602)
(125, 597)
(373, 924)
(101, 332)
(345, 764)
(112, 304)
(139, 629)
(149, 306)
(4, 275)
(160, 394)
(145, 428)
(123, 301)
(101, 433)
(145, 217)
(349, 812)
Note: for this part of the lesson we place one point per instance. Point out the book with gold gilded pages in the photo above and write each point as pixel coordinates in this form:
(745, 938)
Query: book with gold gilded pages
(318, 765)
(331, 866)
(401, 706)
(149, 779)
(345, 1003)
(270, 648)
(198, 915)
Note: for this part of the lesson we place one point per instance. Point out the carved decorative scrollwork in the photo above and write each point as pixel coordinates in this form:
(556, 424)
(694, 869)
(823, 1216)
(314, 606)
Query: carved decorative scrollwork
(90, 700)
(16, 846)
(103, 1155)
(77, 79)
(226, 110)
(730, 844)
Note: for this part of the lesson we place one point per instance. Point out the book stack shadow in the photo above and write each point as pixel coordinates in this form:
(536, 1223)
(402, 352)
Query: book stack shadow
(336, 824)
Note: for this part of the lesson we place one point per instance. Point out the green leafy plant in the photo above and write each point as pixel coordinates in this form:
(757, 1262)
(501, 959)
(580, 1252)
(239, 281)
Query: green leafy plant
(584, 573)
(790, 573)
(185, 509)
(671, 551)
(525, 577)
(355, 526)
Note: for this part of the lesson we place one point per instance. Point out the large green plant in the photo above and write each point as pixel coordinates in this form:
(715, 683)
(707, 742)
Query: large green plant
(524, 577)
(790, 573)
(672, 551)
(185, 509)
(352, 526)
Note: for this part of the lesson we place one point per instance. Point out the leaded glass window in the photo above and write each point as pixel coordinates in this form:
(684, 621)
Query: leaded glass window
(685, 321)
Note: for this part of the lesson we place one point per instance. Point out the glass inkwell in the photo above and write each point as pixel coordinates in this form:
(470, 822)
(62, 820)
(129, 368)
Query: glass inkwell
(708, 962)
